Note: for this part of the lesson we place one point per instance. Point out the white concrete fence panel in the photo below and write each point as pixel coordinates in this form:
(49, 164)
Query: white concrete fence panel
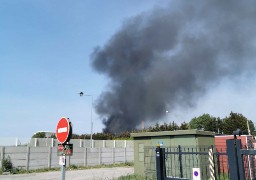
(46, 157)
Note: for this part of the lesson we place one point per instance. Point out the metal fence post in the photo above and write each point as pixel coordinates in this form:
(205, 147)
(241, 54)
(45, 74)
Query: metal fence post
(180, 160)
(235, 161)
(160, 163)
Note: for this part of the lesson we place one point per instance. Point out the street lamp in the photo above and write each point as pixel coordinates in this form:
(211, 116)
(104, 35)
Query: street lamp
(166, 113)
(82, 94)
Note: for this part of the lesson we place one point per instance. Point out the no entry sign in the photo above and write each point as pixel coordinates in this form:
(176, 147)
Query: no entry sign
(63, 130)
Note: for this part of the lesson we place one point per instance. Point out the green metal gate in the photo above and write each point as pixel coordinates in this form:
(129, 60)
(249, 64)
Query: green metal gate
(233, 163)
(178, 163)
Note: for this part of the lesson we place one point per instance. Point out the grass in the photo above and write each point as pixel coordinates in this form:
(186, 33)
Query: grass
(222, 176)
(131, 177)
(74, 167)
(71, 167)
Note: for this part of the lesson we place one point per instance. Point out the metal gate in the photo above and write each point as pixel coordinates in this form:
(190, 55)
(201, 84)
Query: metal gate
(178, 163)
(232, 163)
(249, 162)
(241, 161)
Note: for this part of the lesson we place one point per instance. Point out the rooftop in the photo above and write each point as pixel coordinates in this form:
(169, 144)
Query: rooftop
(173, 133)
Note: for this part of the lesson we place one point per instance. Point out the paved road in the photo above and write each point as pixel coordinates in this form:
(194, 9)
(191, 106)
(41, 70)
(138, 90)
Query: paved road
(88, 174)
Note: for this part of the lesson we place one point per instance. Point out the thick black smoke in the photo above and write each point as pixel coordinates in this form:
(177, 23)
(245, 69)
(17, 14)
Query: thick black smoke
(170, 56)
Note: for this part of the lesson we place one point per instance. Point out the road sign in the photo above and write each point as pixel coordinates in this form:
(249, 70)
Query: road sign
(62, 160)
(63, 130)
(196, 174)
(65, 149)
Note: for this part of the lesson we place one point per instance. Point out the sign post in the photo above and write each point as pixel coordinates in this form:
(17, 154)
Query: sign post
(63, 134)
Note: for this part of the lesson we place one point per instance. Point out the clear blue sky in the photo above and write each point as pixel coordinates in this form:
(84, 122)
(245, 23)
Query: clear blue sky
(45, 49)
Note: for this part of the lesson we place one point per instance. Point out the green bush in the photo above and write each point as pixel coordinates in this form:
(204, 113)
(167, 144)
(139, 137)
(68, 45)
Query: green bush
(72, 167)
(7, 165)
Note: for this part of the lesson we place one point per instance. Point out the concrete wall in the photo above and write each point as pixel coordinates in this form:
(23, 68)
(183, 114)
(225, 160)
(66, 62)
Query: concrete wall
(45, 142)
(46, 157)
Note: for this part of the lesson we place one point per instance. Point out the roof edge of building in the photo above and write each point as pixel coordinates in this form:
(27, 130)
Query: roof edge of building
(173, 133)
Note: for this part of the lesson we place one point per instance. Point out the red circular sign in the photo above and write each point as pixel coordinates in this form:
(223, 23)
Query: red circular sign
(63, 130)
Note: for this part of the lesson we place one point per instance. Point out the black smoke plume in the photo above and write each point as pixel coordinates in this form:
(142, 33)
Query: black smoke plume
(170, 56)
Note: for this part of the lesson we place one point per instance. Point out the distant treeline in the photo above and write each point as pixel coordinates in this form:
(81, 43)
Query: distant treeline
(204, 122)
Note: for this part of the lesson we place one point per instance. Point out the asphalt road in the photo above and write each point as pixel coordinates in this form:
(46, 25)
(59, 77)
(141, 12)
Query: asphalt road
(88, 174)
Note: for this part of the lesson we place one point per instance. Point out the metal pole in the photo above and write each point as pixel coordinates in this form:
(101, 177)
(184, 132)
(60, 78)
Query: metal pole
(235, 161)
(180, 160)
(63, 169)
(160, 163)
(81, 94)
(91, 121)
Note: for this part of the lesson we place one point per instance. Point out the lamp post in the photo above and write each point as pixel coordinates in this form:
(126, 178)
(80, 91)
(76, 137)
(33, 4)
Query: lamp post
(82, 94)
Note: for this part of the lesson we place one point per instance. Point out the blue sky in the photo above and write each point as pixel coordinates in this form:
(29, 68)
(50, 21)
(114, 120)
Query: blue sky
(45, 49)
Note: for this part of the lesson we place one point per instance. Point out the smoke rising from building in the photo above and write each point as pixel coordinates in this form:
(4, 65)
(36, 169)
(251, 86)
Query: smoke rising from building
(168, 57)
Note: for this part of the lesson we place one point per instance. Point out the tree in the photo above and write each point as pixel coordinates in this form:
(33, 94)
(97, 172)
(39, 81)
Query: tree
(164, 127)
(236, 121)
(157, 127)
(102, 136)
(39, 135)
(184, 126)
(173, 126)
(205, 122)
(75, 136)
(219, 125)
